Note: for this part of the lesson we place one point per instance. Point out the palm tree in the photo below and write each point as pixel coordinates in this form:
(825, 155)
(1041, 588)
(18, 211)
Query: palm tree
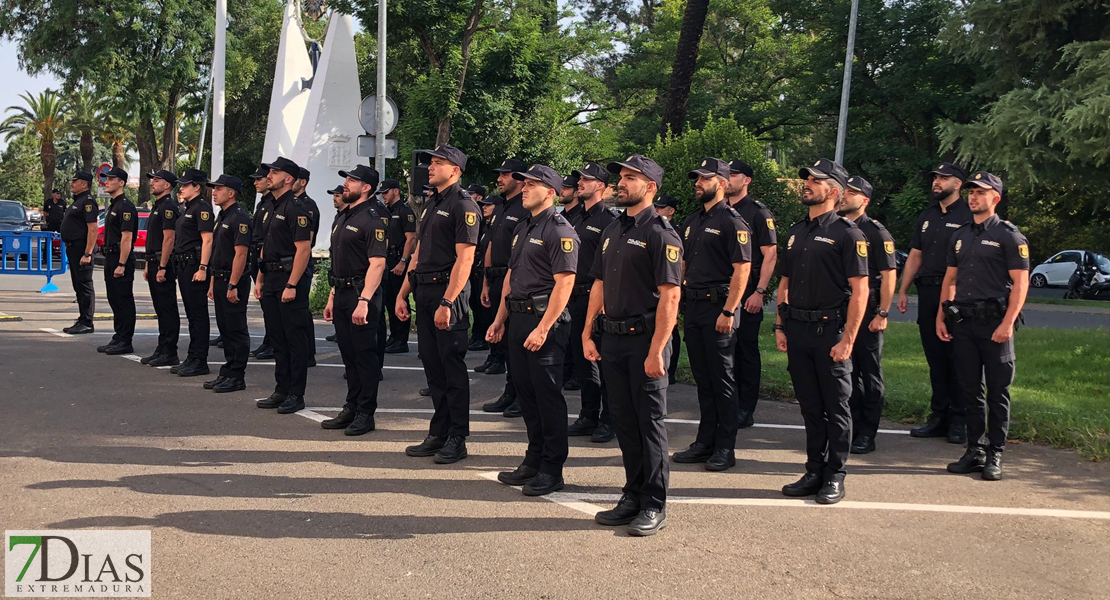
(43, 117)
(86, 120)
(118, 133)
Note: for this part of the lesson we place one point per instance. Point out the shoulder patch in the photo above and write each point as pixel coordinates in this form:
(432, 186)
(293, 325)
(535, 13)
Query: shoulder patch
(1023, 250)
(861, 249)
(567, 244)
(672, 253)
(169, 214)
(243, 228)
(205, 215)
(771, 224)
(379, 235)
(411, 218)
(888, 247)
(471, 218)
(742, 237)
(126, 216)
(88, 208)
(302, 221)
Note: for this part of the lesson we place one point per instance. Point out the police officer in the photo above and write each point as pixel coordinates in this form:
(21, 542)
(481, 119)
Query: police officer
(822, 298)
(79, 230)
(717, 249)
(637, 274)
(482, 316)
(192, 250)
(594, 419)
(283, 286)
(402, 241)
(53, 211)
(299, 187)
(925, 267)
(120, 226)
(360, 184)
(160, 276)
(536, 292)
(359, 242)
(338, 200)
(765, 254)
(568, 198)
(229, 285)
(867, 353)
(440, 275)
(667, 207)
(262, 212)
(984, 289)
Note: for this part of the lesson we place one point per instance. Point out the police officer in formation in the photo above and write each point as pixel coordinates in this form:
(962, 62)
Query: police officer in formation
(230, 283)
(822, 299)
(984, 289)
(262, 211)
(159, 273)
(483, 317)
(121, 223)
(589, 219)
(359, 244)
(867, 353)
(299, 187)
(534, 300)
(718, 253)
(637, 275)
(925, 267)
(283, 287)
(360, 184)
(667, 207)
(440, 280)
(79, 230)
(402, 242)
(191, 254)
(338, 200)
(53, 211)
(765, 252)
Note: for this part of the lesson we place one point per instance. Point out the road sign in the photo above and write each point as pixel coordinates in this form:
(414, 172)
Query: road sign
(368, 116)
(102, 173)
(366, 146)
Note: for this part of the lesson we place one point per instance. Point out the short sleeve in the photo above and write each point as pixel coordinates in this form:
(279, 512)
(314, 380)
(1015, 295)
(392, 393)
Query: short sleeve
(1016, 250)
(408, 220)
(882, 244)
(740, 246)
(763, 229)
(854, 253)
(243, 232)
(131, 223)
(950, 257)
(596, 269)
(562, 249)
(169, 219)
(378, 243)
(206, 221)
(92, 211)
(467, 217)
(785, 259)
(667, 258)
(301, 221)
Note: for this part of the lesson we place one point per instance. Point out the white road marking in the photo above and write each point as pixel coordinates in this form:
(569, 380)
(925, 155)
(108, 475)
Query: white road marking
(55, 332)
(560, 498)
(309, 414)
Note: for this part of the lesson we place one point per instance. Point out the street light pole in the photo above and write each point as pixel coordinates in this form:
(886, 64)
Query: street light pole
(846, 87)
(218, 69)
(379, 137)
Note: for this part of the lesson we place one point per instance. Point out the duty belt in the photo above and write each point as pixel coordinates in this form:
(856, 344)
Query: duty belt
(920, 281)
(343, 283)
(582, 289)
(218, 274)
(716, 295)
(535, 305)
(186, 257)
(272, 266)
(630, 326)
(986, 309)
(835, 315)
(496, 272)
(425, 278)
(110, 249)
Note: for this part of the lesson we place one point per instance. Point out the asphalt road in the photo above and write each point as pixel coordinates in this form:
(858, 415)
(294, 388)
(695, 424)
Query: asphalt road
(246, 503)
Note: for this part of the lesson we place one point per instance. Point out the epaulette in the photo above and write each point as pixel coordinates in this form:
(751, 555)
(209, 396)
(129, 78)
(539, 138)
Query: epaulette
(848, 222)
(759, 204)
(561, 220)
(878, 224)
(1011, 226)
(666, 223)
(732, 210)
(297, 201)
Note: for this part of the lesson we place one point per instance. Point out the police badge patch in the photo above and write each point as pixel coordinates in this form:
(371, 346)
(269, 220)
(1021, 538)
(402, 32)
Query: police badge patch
(1023, 250)
(861, 249)
(567, 244)
(169, 214)
(411, 218)
(243, 228)
(126, 216)
(379, 235)
(672, 253)
(742, 237)
(605, 246)
(790, 243)
(771, 224)
(88, 208)
(471, 219)
(888, 247)
(204, 215)
(302, 221)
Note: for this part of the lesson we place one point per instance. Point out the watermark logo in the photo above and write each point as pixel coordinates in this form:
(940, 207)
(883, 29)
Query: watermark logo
(58, 563)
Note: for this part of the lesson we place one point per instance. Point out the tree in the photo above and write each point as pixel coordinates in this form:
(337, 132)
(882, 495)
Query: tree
(84, 119)
(43, 117)
(21, 172)
(682, 70)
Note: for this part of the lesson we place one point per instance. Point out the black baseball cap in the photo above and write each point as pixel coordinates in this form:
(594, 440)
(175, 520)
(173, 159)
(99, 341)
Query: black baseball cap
(285, 165)
(512, 165)
(164, 175)
(860, 185)
(710, 167)
(194, 176)
(118, 173)
(543, 174)
(985, 179)
(338, 190)
(447, 152)
(570, 181)
(640, 164)
(593, 170)
(362, 173)
(260, 172)
(228, 181)
(950, 170)
(480, 190)
(493, 200)
(824, 168)
(304, 174)
(389, 184)
(666, 201)
(82, 176)
(738, 166)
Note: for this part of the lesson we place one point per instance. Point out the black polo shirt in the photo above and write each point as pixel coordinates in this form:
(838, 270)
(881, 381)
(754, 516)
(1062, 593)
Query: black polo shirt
(450, 217)
(933, 234)
(163, 216)
(821, 255)
(121, 217)
(984, 254)
(233, 228)
(713, 241)
(75, 225)
(291, 224)
(263, 211)
(195, 219)
(504, 222)
(313, 213)
(54, 212)
(358, 236)
(762, 225)
(574, 213)
(543, 245)
(880, 249)
(637, 255)
(380, 211)
(401, 221)
(589, 226)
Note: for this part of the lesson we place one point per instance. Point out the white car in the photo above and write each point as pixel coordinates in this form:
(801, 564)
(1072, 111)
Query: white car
(1058, 269)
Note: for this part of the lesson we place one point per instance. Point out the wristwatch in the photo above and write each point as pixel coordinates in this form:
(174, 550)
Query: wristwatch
(86, 255)
(884, 313)
(728, 313)
(366, 300)
(778, 327)
(760, 291)
(405, 259)
(445, 302)
(203, 267)
(231, 286)
(290, 286)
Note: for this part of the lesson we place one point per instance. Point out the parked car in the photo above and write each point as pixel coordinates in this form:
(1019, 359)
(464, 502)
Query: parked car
(140, 237)
(13, 217)
(1057, 270)
(900, 258)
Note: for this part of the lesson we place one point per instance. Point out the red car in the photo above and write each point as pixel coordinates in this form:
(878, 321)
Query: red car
(140, 237)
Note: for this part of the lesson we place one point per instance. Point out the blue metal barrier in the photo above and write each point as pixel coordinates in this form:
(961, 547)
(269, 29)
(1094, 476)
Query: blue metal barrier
(33, 253)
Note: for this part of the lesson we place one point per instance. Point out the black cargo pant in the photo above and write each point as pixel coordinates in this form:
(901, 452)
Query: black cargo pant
(638, 406)
(500, 350)
(985, 370)
(194, 298)
(747, 362)
(398, 329)
(359, 348)
(539, 389)
(947, 401)
(822, 388)
(256, 260)
(287, 324)
(231, 321)
(483, 318)
(121, 296)
(82, 279)
(595, 401)
(711, 361)
(164, 298)
(867, 377)
(443, 353)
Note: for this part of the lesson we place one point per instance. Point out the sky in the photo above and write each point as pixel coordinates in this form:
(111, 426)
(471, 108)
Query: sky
(16, 81)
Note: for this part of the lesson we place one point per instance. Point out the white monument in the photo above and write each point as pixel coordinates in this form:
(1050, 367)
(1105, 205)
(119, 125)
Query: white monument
(289, 97)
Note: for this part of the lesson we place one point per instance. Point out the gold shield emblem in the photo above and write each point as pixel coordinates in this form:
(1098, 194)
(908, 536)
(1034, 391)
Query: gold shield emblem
(790, 243)
(411, 218)
(1023, 250)
(687, 234)
(126, 216)
(605, 245)
(771, 224)
(742, 237)
(959, 244)
(567, 244)
(861, 249)
(379, 235)
(169, 214)
(88, 208)
(471, 219)
(672, 253)
(204, 216)
(243, 228)
(302, 221)
(888, 247)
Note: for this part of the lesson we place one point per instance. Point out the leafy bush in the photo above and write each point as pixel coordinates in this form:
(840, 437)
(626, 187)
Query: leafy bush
(321, 289)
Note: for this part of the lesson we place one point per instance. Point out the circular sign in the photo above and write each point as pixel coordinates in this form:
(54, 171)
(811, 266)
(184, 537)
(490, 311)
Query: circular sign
(102, 173)
(368, 115)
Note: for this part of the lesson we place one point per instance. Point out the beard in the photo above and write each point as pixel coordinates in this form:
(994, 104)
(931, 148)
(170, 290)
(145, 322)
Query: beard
(812, 199)
(941, 195)
(629, 199)
(352, 196)
(707, 195)
(979, 208)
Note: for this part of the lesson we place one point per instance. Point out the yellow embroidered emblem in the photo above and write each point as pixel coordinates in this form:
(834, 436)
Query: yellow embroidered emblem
(514, 240)
(771, 224)
(1023, 250)
(411, 218)
(169, 214)
(471, 219)
(888, 247)
(204, 215)
(672, 253)
(790, 243)
(567, 244)
(687, 234)
(243, 228)
(302, 221)
(742, 237)
(126, 216)
(88, 208)
(959, 244)
(861, 249)
(379, 235)
(605, 246)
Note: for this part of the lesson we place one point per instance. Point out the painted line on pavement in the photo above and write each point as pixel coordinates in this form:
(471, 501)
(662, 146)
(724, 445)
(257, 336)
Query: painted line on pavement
(561, 498)
(55, 332)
